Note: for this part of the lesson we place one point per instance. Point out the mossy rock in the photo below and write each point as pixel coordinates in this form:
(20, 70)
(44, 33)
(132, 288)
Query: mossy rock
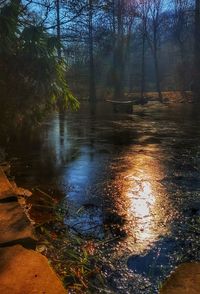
(185, 280)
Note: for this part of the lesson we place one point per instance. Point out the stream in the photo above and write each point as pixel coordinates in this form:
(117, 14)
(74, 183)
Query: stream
(134, 178)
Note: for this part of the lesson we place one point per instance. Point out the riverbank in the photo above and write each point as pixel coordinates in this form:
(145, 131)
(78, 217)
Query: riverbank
(23, 270)
(168, 97)
(73, 258)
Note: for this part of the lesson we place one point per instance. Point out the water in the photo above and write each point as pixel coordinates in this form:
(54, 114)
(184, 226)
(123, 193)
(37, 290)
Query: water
(132, 176)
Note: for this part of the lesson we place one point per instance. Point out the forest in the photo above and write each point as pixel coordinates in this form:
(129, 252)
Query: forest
(99, 123)
(96, 49)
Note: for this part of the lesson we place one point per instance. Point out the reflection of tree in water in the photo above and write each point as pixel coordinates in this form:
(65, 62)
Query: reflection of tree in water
(41, 152)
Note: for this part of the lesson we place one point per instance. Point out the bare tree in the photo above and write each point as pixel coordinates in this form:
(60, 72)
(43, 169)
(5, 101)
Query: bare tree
(125, 13)
(143, 13)
(58, 28)
(180, 20)
(92, 82)
(118, 63)
(197, 50)
(154, 24)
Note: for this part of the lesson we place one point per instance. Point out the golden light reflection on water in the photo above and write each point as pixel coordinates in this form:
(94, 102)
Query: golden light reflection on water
(149, 205)
(141, 207)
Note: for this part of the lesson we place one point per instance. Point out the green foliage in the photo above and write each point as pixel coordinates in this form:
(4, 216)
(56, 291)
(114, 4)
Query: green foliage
(9, 18)
(32, 78)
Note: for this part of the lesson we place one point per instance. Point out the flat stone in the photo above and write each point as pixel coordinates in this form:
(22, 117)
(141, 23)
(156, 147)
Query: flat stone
(185, 280)
(6, 190)
(25, 271)
(15, 227)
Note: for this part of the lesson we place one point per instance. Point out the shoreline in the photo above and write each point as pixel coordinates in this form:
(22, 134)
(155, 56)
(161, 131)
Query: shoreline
(29, 270)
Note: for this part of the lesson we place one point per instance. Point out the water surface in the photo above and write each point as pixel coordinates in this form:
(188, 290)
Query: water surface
(131, 176)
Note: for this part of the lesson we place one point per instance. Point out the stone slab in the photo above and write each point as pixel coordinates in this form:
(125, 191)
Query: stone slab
(185, 280)
(6, 189)
(15, 226)
(25, 271)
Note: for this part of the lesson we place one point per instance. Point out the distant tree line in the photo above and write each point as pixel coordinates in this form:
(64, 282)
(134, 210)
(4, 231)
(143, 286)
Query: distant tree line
(118, 46)
(99, 48)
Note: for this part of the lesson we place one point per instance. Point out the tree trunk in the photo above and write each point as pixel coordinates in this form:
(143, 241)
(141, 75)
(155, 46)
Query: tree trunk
(58, 27)
(182, 70)
(156, 65)
(157, 72)
(92, 81)
(118, 63)
(197, 51)
(113, 18)
(143, 70)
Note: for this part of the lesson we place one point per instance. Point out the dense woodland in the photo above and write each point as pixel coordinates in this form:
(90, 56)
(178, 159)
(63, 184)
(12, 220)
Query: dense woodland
(97, 49)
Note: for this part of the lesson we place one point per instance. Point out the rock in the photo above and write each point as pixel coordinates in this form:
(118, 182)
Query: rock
(23, 192)
(27, 272)
(185, 280)
(6, 190)
(20, 191)
(15, 227)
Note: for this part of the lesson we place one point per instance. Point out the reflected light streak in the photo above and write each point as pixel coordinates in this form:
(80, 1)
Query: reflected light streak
(141, 207)
(144, 198)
